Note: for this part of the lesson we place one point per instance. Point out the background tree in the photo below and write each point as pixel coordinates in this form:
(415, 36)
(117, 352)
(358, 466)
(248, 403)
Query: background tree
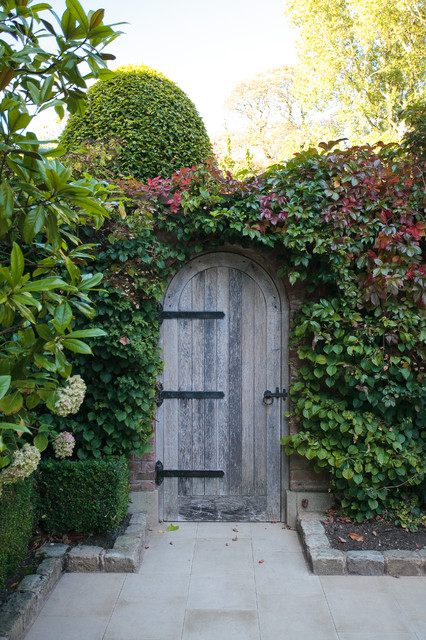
(265, 118)
(43, 281)
(363, 58)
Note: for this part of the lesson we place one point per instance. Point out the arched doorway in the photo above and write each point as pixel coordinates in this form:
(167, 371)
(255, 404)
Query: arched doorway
(224, 343)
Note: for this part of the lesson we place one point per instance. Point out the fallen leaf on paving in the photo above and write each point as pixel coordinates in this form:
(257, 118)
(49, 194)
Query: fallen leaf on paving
(342, 539)
(261, 561)
(226, 544)
(170, 542)
(355, 536)
(146, 547)
(172, 527)
(235, 539)
(149, 528)
(160, 530)
(235, 529)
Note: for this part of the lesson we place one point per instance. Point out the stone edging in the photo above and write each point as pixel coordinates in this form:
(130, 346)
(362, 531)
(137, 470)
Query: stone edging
(325, 560)
(21, 609)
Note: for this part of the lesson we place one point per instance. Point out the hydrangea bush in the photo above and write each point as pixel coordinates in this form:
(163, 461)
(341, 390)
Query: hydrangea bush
(24, 462)
(71, 396)
(63, 444)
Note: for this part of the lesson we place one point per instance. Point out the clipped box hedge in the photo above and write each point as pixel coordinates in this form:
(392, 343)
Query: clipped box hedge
(16, 524)
(88, 496)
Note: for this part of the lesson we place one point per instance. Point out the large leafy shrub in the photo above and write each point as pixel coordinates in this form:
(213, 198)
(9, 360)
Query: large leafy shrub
(42, 278)
(157, 126)
(82, 495)
(16, 524)
(350, 225)
(119, 406)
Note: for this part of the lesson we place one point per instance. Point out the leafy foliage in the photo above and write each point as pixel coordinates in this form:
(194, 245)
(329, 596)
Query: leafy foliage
(349, 224)
(363, 58)
(117, 414)
(158, 126)
(41, 209)
(17, 520)
(82, 495)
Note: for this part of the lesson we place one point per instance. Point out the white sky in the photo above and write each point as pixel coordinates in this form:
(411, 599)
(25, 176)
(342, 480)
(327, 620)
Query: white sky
(205, 47)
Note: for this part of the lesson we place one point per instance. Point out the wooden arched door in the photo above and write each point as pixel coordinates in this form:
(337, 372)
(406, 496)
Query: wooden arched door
(222, 342)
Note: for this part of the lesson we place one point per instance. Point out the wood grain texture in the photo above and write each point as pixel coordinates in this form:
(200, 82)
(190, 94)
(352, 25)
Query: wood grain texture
(241, 355)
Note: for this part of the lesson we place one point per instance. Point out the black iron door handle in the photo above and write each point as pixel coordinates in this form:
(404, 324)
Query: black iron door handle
(268, 396)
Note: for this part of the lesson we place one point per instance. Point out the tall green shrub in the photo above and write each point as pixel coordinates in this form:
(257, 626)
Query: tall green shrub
(83, 495)
(158, 125)
(16, 524)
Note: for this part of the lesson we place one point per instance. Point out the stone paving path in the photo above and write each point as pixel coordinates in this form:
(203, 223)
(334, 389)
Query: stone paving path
(198, 583)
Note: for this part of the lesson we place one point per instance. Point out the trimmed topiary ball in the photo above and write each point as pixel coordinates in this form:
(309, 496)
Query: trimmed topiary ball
(159, 128)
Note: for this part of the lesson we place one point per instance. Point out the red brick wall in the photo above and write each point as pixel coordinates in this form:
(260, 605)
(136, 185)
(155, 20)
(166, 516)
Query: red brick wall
(142, 477)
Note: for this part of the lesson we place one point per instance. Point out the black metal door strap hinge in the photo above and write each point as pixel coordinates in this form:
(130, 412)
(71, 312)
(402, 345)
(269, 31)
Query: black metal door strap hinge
(187, 395)
(268, 396)
(161, 472)
(190, 315)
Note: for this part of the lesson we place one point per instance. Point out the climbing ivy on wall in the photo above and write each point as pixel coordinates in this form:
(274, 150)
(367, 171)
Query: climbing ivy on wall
(349, 224)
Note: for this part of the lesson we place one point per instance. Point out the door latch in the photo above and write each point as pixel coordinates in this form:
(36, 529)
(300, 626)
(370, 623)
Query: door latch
(268, 396)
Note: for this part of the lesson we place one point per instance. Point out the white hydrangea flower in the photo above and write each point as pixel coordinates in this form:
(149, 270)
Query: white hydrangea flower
(71, 396)
(24, 462)
(63, 444)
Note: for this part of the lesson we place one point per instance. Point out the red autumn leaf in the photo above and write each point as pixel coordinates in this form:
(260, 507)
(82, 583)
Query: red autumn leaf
(355, 536)
(261, 561)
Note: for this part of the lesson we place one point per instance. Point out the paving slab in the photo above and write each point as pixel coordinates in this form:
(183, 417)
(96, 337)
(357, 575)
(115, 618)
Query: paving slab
(196, 583)
(369, 604)
(298, 616)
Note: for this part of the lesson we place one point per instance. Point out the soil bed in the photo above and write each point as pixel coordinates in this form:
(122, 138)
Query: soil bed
(372, 535)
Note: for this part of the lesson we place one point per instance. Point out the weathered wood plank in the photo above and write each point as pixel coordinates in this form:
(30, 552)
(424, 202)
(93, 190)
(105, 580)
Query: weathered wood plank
(170, 417)
(185, 360)
(259, 409)
(222, 326)
(248, 339)
(274, 412)
(210, 381)
(235, 397)
(198, 406)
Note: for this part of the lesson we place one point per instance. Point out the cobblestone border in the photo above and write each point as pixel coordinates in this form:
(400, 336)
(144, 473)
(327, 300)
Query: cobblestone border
(21, 609)
(326, 561)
